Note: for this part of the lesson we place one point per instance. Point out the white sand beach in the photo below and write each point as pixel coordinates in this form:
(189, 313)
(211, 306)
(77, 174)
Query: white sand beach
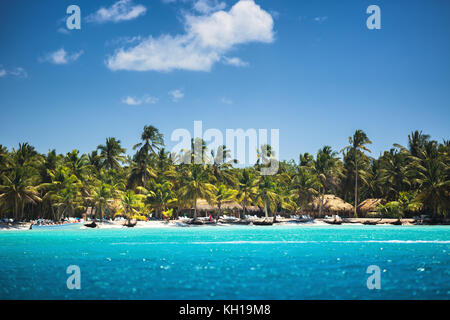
(182, 223)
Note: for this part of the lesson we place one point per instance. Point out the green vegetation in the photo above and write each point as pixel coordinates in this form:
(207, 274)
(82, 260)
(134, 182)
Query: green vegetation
(410, 180)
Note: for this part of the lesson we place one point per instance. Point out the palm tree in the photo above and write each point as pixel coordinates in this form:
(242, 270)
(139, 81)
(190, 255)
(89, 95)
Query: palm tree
(196, 185)
(140, 170)
(432, 178)
(395, 173)
(17, 190)
(223, 194)
(78, 165)
(357, 145)
(152, 140)
(304, 186)
(4, 159)
(63, 192)
(26, 155)
(248, 188)
(111, 154)
(325, 169)
(95, 161)
(130, 205)
(221, 165)
(266, 195)
(100, 196)
(416, 142)
(160, 197)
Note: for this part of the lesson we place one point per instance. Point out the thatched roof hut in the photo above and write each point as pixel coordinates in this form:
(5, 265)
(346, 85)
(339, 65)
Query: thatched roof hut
(370, 205)
(253, 209)
(231, 206)
(331, 203)
(203, 205)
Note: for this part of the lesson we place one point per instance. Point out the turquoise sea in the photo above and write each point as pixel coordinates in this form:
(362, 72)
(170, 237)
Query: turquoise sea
(283, 262)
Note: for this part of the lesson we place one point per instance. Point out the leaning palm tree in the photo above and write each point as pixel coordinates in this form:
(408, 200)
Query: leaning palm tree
(111, 154)
(357, 144)
(196, 185)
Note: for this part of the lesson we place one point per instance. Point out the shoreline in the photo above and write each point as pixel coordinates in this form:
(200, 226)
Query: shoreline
(182, 224)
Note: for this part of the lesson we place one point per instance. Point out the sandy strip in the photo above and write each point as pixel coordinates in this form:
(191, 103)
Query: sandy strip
(180, 223)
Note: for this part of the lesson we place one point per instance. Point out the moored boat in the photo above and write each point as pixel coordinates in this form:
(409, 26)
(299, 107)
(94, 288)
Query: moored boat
(262, 223)
(71, 225)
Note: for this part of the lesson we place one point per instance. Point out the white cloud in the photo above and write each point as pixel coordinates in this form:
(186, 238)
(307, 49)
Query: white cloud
(176, 95)
(207, 6)
(133, 101)
(19, 72)
(207, 39)
(320, 19)
(275, 14)
(226, 101)
(123, 40)
(61, 56)
(122, 10)
(16, 72)
(237, 62)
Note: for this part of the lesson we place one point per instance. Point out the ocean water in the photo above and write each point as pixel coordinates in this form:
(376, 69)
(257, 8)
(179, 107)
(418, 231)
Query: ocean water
(283, 262)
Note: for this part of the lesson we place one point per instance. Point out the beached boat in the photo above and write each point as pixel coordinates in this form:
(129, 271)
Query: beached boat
(196, 222)
(91, 225)
(262, 223)
(336, 222)
(236, 222)
(72, 225)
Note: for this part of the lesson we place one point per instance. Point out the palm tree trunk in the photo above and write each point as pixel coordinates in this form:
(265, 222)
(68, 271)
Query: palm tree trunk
(195, 208)
(16, 208)
(219, 212)
(145, 175)
(266, 213)
(320, 201)
(21, 211)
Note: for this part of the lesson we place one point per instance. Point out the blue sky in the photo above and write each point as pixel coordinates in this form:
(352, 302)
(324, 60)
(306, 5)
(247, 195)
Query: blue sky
(311, 69)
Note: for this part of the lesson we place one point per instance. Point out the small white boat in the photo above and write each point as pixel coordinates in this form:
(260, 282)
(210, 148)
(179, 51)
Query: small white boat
(70, 225)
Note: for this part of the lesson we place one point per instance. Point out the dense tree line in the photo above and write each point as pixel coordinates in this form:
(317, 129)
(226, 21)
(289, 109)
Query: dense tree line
(410, 179)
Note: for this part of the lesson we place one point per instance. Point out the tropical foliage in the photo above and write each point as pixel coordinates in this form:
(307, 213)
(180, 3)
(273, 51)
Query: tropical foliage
(153, 182)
